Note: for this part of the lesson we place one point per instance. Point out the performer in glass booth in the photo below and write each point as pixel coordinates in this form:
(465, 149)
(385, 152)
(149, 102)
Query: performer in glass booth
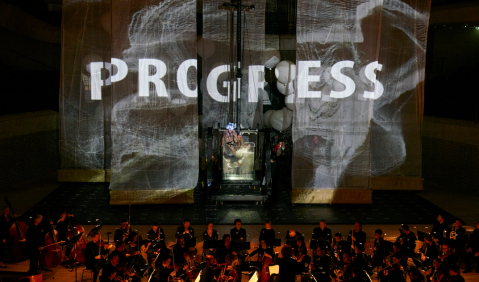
(231, 142)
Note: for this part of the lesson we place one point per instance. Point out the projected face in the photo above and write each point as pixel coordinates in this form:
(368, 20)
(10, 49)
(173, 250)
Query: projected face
(335, 130)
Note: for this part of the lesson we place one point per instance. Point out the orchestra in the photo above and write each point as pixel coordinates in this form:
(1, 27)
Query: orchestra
(132, 258)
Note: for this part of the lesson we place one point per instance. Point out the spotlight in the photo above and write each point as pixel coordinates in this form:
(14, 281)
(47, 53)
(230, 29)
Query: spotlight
(477, 27)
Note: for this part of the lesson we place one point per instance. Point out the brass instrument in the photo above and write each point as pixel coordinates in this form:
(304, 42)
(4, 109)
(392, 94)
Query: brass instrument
(452, 235)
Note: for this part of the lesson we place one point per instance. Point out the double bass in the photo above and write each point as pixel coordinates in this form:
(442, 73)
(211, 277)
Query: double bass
(77, 251)
(18, 230)
(51, 255)
(264, 275)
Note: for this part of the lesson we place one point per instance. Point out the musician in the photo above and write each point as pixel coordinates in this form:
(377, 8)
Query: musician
(301, 256)
(428, 250)
(447, 258)
(397, 249)
(157, 235)
(216, 274)
(179, 250)
(263, 250)
(357, 236)
(320, 267)
(62, 228)
(209, 235)
(322, 233)
(292, 238)
(408, 240)
(345, 268)
(460, 251)
(122, 271)
(237, 233)
(35, 240)
(267, 233)
(415, 275)
(339, 247)
(287, 265)
(359, 259)
(6, 240)
(185, 230)
(94, 255)
(440, 228)
(137, 251)
(110, 270)
(164, 270)
(439, 273)
(396, 272)
(224, 248)
(472, 250)
(379, 250)
(122, 233)
(454, 273)
(357, 275)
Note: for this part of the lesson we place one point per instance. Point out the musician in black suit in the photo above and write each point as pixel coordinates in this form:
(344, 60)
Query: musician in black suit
(321, 264)
(185, 230)
(94, 255)
(322, 233)
(357, 236)
(122, 233)
(472, 250)
(35, 241)
(6, 240)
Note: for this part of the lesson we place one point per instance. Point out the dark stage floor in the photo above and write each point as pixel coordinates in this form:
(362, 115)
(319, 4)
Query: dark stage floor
(90, 201)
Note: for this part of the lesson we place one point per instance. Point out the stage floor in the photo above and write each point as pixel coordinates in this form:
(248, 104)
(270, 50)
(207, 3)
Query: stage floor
(90, 203)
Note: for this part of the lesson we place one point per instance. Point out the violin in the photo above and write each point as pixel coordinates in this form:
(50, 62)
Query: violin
(232, 261)
(18, 230)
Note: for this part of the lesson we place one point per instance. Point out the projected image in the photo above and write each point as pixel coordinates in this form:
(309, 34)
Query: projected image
(238, 156)
(359, 121)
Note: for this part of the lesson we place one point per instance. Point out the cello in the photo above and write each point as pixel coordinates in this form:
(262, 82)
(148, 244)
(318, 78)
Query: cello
(264, 275)
(77, 251)
(51, 254)
(18, 230)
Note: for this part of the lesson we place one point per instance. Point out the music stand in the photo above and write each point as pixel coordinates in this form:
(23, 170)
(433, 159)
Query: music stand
(191, 242)
(95, 229)
(74, 241)
(210, 244)
(244, 245)
(420, 235)
(276, 242)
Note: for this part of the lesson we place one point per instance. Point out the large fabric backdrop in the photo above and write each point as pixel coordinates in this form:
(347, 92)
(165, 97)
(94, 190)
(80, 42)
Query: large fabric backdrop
(129, 92)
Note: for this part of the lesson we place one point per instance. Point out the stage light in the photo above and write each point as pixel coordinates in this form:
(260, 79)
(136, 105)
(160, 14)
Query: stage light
(477, 27)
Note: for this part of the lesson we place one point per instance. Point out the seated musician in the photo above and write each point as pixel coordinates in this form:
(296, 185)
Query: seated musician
(292, 237)
(122, 271)
(179, 250)
(6, 239)
(428, 251)
(267, 233)
(439, 229)
(156, 233)
(396, 272)
(472, 250)
(322, 233)
(397, 249)
(263, 250)
(359, 259)
(415, 275)
(288, 266)
(379, 250)
(454, 274)
(408, 240)
(224, 248)
(209, 235)
(137, 247)
(217, 273)
(130, 256)
(122, 233)
(94, 255)
(165, 270)
(185, 230)
(357, 236)
(357, 275)
(437, 273)
(62, 228)
(300, 254)
(339, 247)
(344, 273)
(321, 264)
(238, 234)
(447, 258)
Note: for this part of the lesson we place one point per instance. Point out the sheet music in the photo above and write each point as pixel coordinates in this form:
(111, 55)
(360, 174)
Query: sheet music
(254, 278)
(273, 269)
